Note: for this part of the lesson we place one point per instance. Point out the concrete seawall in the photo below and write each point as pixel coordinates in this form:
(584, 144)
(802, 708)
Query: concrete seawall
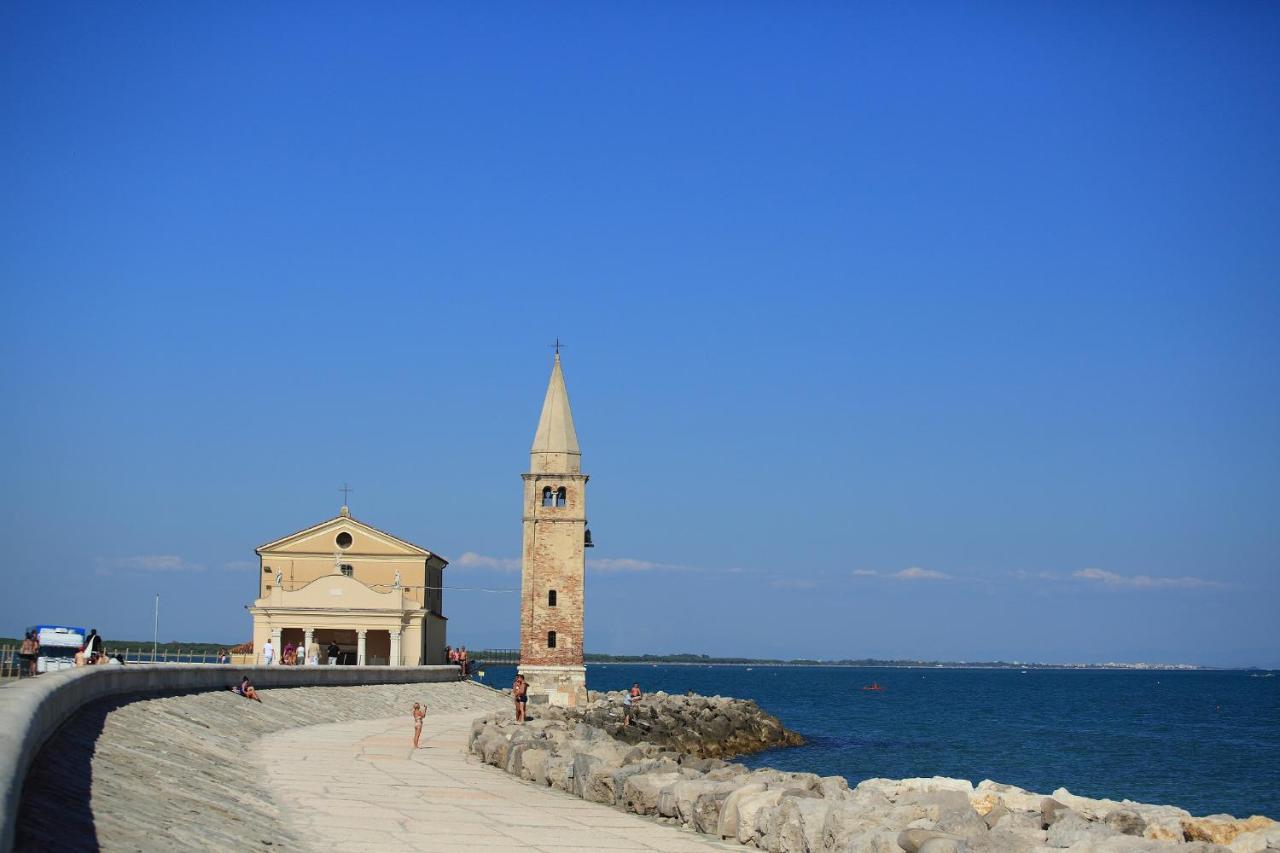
(31, 712)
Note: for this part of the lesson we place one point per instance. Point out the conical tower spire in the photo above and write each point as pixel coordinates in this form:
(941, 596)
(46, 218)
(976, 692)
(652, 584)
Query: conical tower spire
(555, 444)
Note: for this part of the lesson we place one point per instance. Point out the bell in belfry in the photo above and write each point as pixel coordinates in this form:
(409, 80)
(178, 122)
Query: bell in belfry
(586, 538)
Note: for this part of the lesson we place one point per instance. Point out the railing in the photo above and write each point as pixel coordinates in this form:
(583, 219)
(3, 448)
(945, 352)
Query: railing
(12, 666)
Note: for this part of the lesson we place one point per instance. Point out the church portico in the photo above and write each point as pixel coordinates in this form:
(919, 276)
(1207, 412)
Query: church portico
(372, 627)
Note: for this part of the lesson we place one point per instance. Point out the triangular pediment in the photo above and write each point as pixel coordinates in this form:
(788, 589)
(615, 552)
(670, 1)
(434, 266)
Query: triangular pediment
(326, 538)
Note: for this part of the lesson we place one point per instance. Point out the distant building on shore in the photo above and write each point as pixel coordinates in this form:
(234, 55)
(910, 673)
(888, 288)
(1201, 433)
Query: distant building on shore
(346, 582)
(553, 555)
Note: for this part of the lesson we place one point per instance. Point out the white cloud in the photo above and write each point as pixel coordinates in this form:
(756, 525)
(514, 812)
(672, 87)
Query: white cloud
(864, 573)
(1141, 581)
(147, 563)
(915, 573)
(239, 565)
(472, 560)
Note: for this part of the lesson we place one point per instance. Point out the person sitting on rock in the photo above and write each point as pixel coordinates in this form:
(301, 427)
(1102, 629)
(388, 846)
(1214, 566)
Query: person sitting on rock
(632, 697)
(246, 690)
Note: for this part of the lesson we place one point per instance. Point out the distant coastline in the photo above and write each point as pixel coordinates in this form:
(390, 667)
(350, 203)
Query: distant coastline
(689, 659)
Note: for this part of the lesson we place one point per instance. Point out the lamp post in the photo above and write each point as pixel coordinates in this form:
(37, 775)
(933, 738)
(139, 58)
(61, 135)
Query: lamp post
(155, 636)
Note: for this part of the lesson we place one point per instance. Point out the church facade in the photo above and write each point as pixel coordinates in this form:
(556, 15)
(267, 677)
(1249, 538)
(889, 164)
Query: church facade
(378, 597)
(553, 557)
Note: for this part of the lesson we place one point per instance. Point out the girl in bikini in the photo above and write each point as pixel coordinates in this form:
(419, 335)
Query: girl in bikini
(419, 714)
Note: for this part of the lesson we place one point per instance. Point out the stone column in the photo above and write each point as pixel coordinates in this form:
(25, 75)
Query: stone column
(395, 649)
(306, 644)
(275, 643)
(360, 647)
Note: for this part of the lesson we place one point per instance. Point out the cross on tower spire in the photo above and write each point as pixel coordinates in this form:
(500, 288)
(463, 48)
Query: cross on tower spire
(557, 345)
(345, 491)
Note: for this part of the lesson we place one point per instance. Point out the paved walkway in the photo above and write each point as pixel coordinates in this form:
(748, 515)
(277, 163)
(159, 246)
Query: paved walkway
(361, 786)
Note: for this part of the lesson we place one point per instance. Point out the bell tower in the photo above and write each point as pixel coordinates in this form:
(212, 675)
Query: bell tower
(553, 556)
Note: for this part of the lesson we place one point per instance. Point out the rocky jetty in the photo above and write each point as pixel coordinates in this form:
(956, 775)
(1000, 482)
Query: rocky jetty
(800, 812)
(701, 726)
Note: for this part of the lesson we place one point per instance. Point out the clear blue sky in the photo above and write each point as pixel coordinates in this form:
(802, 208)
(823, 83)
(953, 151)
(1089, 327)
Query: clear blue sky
(922, 330)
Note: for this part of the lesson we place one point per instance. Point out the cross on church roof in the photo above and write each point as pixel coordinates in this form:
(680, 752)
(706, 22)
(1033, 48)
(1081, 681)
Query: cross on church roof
(345, 491)
(557, 345)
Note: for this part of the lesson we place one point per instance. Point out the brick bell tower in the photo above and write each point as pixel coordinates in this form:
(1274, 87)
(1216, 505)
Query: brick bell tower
(553, 557)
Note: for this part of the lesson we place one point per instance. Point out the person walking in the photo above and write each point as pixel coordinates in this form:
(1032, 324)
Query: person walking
(333, 651)
(268, 653)
(313, 653)
(419, 714)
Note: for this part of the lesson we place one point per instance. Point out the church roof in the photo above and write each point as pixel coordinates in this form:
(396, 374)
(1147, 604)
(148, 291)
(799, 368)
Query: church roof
(345, 515)
(555, 428)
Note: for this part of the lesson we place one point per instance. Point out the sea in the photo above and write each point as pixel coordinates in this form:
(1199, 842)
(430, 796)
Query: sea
(1205, 740)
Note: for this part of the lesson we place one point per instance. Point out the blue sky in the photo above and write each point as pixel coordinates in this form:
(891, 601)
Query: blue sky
(896, 330)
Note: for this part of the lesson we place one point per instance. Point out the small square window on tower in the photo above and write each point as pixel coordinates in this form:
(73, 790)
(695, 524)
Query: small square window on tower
(551, 639)
(551, 598)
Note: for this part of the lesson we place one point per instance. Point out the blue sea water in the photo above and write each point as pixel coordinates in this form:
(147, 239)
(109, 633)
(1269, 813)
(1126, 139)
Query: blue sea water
(1207, 741)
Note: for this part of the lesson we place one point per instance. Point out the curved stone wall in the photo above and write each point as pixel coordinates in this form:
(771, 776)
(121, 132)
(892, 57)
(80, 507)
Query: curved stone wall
(32, 711)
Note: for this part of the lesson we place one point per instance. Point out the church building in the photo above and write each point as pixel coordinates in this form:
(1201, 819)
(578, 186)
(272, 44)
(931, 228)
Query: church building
(553, 556)
(344, 581)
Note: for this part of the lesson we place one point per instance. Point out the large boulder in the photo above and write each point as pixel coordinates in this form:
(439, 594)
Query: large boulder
(1126, 822)
(1071, 828)
(640, 792)
(987, 795)
(794, 825)
(1222, 829)
(727, 826)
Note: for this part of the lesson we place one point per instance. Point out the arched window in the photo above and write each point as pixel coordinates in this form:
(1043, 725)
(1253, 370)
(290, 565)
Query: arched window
(551, 598)
(561, 496)
(548, 498)
(551, 639)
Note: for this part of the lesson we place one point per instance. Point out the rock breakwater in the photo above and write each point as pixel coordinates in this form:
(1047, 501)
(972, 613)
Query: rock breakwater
(701, 726)
(785, 812)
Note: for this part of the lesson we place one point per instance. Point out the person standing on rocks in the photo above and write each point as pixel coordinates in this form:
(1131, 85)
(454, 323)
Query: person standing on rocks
(419, 714)
(633, 696)
(520, 692)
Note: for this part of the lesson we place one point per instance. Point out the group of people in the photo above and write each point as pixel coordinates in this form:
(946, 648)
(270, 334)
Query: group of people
(520, 694)
(29, 654)
(92, 653)
(298, 655)
(458, 657)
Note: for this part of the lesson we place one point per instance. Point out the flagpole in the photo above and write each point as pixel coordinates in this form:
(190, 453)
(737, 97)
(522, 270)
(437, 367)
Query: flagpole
(155, 637)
